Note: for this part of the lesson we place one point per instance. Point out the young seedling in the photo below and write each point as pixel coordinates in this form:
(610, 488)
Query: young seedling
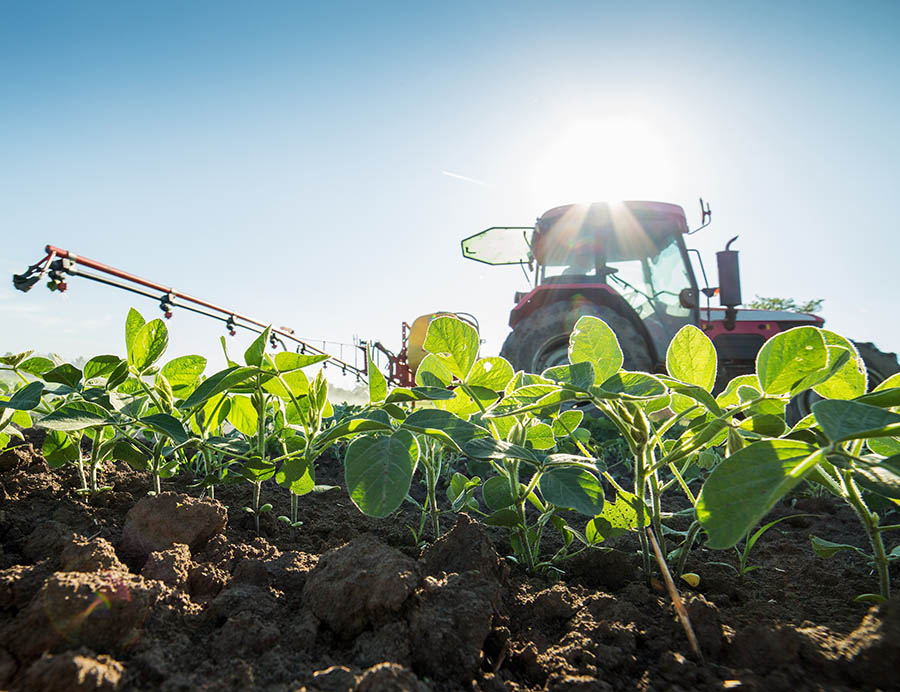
(744, 567)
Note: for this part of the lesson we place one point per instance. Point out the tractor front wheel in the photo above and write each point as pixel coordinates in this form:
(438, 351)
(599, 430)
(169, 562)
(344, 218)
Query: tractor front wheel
(541, 340)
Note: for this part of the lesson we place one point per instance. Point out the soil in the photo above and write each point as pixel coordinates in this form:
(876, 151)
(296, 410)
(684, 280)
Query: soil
(123, 591)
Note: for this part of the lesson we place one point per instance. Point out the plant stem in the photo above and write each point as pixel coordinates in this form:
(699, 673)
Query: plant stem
(84, 483)
(870, 524)
(257, 486)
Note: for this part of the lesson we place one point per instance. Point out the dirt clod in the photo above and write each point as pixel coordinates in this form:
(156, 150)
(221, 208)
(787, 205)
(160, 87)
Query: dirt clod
(171, 566)
(158, 522)
(97, 555)
(389, 677)
(71, 671)
(103, 611)
(359, 584)
(873, 649)
(449, 623)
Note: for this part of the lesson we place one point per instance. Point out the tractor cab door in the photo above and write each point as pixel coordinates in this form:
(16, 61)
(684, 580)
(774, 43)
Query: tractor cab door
(500, 245)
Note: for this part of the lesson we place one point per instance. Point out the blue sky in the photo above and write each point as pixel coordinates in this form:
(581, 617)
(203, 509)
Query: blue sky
(317, 165)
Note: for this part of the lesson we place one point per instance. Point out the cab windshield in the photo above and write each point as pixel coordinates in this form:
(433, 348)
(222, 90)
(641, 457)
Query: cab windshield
(650, 284)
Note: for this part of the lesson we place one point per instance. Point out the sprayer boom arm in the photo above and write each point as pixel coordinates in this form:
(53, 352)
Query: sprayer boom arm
(59, 263)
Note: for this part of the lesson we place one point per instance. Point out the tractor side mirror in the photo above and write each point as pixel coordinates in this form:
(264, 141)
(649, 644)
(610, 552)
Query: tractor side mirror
(729, 276)
(687, 298)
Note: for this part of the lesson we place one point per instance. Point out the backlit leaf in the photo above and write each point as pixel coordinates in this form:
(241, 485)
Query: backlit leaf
(454, 343)
(243, 415)
(691, 358)
(790, 356)
(592, 341)
(148, 345)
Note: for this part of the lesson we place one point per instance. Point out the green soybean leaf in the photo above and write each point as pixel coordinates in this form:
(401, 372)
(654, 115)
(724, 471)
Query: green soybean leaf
(789, 357)
(25, 399)
(377, 383)
(287, 361)
(254, 354)
(730, 397)
(59, 448)
(379, 471)
(296, 475)
(36, 365)
(579, 376)
(100, 366)
(433, 373)
(848, 381)
(257, 469)
(573, 488)
(492, 373)
(744, 487)
(764, 424)
(218, 383)
(148, 345)
(215, 411)
(497, 494)
(133, 324)
(827, 549)
(443, 425)
(540, 436)
(691, 358)
(566, 422)
(168, 425)
(15, 359)
(696, 394)
(373, 421)
(66, 374)
(592, 341)
(402, 394)
(884, 446)
(630, 385)
(285, 385)
(243, 415)
(20, 418)
(454, 343)
(495, 449)
(618, 517)
(77, 415)
(851, 420)
(528, 399)
(882, 478)
(507, 517)
(183, 372)
(123, 450)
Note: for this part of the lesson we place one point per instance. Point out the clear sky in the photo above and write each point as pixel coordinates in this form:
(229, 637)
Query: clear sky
(316, 165)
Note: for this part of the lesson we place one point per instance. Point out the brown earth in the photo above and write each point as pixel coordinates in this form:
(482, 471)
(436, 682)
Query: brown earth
(125, 592)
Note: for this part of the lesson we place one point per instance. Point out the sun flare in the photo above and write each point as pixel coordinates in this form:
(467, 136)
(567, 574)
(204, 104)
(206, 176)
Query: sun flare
(602, 159)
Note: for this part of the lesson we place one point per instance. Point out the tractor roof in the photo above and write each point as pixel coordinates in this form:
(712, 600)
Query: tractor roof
(620, 230)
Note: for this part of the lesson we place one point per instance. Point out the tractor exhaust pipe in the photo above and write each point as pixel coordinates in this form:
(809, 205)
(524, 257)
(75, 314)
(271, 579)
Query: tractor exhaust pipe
(729, 283)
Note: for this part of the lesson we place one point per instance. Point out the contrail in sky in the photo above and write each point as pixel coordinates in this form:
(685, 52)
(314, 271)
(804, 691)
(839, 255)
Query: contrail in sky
(465, 177)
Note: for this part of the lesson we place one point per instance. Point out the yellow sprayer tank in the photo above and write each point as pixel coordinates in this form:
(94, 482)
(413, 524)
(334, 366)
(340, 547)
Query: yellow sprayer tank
(414, 349)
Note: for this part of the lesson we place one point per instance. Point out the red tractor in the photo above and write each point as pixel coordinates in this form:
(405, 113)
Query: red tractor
(628, 264)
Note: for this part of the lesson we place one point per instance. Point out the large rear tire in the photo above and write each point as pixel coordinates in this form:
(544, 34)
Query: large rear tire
(541, 340)
(879, 365)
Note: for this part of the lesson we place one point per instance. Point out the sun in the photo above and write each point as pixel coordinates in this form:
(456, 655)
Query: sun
(602, 159)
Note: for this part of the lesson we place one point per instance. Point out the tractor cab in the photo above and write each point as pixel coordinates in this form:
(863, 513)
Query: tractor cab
(628, 257)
